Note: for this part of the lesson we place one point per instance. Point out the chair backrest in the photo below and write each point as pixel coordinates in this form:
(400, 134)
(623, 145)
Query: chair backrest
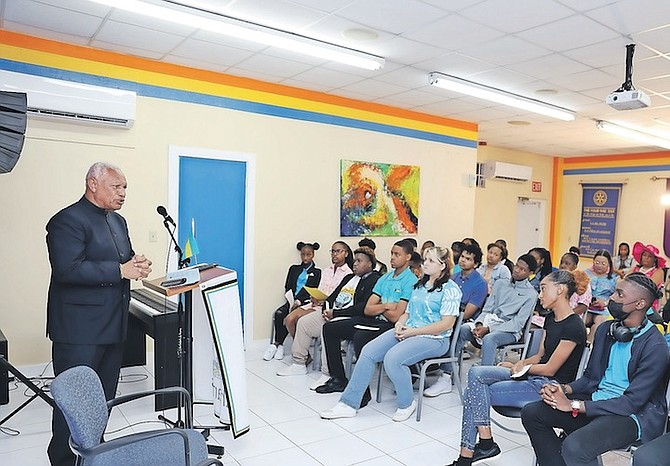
(586, 354)
(455, 332)
(532, 342)
(79, 395)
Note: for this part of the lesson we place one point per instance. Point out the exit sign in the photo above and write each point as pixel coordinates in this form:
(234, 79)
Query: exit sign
(536, 186)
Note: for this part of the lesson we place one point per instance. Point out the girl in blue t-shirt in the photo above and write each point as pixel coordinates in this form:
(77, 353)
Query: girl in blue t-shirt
(603, 282)
(420, 333)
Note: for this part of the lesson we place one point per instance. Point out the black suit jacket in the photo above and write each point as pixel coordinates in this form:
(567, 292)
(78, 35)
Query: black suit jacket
(88, 300)
(313, 279)
(361, 295)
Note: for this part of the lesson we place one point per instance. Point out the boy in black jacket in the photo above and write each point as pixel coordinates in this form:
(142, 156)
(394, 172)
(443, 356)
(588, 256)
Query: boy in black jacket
(621, 397)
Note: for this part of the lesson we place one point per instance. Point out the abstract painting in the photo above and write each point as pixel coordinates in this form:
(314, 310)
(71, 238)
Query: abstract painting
(378, 199)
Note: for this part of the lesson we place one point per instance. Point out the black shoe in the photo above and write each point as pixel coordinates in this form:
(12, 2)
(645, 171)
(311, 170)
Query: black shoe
(480, 454)
(366, 398)
(333, 386)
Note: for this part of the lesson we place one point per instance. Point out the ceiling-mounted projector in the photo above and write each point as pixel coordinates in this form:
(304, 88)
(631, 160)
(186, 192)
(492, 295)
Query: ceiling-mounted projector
(628, 100)
(627, 97)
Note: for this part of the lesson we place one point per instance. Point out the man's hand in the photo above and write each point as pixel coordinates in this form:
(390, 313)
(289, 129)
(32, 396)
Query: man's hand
(136, 268)
(479, 331)
(553, 395)
(327, 314)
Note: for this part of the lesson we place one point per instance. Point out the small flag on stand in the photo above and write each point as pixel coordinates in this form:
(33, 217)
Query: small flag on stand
(191, 248)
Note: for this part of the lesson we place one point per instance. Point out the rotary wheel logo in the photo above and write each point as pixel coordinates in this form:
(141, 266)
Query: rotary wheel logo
(599, 198)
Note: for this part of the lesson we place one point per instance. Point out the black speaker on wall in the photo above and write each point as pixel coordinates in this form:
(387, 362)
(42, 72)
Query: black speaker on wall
(13, 120)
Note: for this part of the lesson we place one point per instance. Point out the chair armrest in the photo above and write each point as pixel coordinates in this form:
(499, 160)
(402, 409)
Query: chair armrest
(161, 391)
(124, 441)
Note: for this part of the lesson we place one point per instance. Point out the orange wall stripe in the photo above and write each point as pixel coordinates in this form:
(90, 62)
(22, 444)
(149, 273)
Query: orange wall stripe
(87, 53)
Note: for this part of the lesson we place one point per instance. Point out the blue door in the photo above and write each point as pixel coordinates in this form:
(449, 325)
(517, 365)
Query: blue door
(212, 192)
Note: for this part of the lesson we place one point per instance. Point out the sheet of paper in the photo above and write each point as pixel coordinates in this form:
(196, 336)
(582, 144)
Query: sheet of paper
(522, 372)
(290, 298)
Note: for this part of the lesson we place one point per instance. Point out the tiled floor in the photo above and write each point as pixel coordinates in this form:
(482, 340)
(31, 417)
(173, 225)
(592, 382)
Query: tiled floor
(286, 428)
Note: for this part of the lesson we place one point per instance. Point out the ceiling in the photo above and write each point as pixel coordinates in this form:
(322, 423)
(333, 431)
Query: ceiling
(567, 52)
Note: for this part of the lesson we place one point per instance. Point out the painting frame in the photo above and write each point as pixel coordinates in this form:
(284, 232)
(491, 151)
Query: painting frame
(379, 199)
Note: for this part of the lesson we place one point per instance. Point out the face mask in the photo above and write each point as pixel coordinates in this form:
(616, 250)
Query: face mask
(616, 310)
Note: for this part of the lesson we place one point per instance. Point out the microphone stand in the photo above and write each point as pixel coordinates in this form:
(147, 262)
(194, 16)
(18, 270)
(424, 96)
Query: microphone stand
(181, 263)
(185, 351)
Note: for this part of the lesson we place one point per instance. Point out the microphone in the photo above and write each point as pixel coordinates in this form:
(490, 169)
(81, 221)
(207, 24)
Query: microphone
(161, 210)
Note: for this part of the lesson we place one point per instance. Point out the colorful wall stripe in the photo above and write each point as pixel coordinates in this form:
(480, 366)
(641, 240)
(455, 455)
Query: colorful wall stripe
(41, 57)
(597, 165)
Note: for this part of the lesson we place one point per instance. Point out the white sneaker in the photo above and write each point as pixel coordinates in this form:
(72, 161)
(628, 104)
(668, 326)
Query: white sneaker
(293, 369)
(321, 381)
(340, 410)
(279, 355)
(402, 414)
(270, 352)
(443, 385)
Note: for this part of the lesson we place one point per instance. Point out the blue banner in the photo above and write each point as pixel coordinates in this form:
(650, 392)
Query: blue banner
(600, 204)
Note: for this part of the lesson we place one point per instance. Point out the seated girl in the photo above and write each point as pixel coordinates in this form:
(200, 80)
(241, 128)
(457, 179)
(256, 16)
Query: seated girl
(623, 262)
(495, 268)
(561, 347)
(603, 281)
(299, 275)
(581, 299)
(342, 260)
(422, 331)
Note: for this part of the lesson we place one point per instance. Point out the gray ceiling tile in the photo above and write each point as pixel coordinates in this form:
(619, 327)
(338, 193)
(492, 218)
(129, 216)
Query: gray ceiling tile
(454, 32)
(207, 52)
(127, 35)
(517, 15)
(632, 16)
(52, 18)
(560, 35)
(278, 14)
(394, 16)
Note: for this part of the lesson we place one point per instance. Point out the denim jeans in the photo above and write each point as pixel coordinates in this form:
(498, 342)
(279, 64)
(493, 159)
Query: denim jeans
(587, 437)
(492, 385)
(397, 356)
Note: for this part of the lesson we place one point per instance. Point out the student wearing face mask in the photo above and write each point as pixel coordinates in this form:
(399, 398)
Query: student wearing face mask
(620, 399)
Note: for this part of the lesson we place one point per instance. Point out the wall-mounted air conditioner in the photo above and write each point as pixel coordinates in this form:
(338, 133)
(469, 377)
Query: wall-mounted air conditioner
(71, 101)
(506, 171)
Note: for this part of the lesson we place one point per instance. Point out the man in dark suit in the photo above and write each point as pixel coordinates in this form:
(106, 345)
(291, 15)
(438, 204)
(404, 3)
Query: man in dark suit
(92, 263)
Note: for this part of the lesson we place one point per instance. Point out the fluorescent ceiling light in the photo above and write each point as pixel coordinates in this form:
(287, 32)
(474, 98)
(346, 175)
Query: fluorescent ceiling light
(633, 134)
(481, 91)
(228, 26)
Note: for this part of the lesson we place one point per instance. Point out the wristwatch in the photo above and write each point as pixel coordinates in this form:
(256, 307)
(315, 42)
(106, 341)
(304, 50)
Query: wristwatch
(575, 405)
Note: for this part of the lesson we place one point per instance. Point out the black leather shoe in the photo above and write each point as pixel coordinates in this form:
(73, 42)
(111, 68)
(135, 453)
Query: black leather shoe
(480, 454)
(332, 386)
(366, 398)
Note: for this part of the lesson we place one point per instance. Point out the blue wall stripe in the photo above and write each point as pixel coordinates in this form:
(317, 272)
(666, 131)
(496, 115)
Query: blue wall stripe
(602, 170)
(160, 92)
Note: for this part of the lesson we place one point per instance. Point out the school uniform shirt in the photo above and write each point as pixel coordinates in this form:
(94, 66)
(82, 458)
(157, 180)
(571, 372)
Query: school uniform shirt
(332, 276)
(427, 307)
(392, 289)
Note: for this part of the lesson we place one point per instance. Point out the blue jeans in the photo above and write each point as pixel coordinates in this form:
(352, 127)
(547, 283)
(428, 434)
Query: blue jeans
(397, 356)
(492, 385)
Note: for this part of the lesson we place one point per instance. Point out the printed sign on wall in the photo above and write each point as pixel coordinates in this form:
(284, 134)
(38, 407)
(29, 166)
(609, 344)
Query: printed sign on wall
(600, 203)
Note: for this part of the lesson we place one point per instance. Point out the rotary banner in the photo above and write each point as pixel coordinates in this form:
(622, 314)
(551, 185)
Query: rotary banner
(600, 204)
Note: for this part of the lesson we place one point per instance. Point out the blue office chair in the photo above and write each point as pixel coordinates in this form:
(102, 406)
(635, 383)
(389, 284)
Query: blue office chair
(79, 395)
